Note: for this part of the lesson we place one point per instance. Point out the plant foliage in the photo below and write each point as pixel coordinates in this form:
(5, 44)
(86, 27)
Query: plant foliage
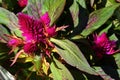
(59, 39)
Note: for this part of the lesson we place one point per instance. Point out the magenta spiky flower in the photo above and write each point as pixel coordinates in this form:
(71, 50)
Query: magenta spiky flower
(31, 29)
(30, 47)
(36, 32)
(14, 42)
(102, 45)
(22, 3)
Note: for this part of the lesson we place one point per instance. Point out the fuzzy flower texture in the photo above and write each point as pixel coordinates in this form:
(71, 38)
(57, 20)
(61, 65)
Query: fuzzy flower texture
(36, 33)
(22, 3)
(102, 45)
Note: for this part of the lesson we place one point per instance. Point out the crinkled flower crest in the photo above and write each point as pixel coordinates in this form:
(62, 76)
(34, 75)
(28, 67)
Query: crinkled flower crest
(13, 42)
(22, 3)
(36, 32)
(102, 45)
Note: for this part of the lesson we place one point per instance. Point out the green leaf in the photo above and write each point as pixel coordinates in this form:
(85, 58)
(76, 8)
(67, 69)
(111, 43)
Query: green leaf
(5, 75)
(116, 22)
(117, 59)
(78, 75)
(72, 55)
(106, 29)
(53, 7)
(78, 16)
(34, 8)
(59, 71)
(118, 71)
(82, 3)
(98, 18)
(77, 37)
(3, 31)
(4, 50)
(17, 32)
(101, 72)
(75, 10)
(8, 18)
(37, 62)
(113, 37)
(112, 1)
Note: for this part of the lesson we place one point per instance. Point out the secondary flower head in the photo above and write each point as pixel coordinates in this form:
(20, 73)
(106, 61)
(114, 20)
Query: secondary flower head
(36, 32)
(102, 45)
(22, 3)
(14, 42)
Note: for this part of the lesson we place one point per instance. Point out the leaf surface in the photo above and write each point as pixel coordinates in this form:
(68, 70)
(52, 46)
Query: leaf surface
(38, 7)
(98, 18)
(59, 71)
(72, 55)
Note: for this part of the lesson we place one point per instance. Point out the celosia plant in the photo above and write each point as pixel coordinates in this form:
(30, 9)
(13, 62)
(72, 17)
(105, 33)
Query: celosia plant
(36, 35)
(36, 32)
(51, 40)
(102, 45)
(22, 3)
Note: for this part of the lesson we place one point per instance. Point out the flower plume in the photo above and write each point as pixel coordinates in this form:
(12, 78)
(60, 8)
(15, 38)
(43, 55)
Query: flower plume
(22, 3)
(36, 31)
(102, 45)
